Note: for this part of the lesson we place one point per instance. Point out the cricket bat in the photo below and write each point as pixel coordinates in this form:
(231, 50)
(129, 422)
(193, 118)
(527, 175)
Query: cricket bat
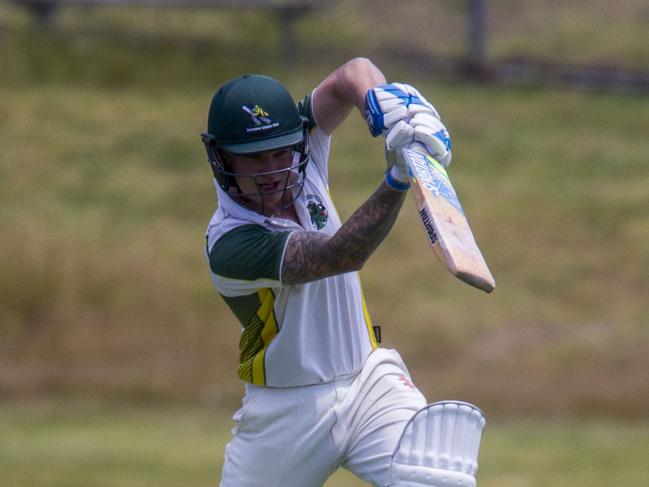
(444, 220)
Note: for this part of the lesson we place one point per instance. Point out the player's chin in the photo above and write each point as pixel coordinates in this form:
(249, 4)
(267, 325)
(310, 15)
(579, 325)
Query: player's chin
(275, 200)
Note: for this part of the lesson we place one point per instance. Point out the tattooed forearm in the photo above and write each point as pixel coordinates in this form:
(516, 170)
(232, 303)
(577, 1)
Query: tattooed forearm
(311, 255)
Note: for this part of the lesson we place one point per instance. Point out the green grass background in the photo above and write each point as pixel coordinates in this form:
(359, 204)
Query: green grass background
(84, 443)
(117, 357)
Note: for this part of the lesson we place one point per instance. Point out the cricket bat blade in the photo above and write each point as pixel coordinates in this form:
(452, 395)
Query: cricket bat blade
(444, 221)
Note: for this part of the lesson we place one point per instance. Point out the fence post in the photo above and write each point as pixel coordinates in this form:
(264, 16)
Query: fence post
(44, 12)
(287, 17)
(477, 31)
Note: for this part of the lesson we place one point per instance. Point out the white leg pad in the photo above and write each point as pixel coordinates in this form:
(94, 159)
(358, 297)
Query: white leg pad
(439, 447)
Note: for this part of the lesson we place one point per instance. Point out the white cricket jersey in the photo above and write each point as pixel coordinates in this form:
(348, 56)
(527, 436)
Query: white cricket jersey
(291, 335)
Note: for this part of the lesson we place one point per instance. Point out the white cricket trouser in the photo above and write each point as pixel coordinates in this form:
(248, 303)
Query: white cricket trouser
(298, 436)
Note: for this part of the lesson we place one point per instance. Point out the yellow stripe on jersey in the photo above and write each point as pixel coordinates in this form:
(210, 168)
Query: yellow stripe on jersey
(266, 314)
(368, 318)
(257, 316)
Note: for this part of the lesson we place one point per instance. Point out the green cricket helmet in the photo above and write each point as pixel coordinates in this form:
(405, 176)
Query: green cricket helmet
(249, 114)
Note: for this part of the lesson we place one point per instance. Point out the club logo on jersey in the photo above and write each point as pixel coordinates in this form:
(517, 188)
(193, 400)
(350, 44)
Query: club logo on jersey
(260, 118)
(317, 211)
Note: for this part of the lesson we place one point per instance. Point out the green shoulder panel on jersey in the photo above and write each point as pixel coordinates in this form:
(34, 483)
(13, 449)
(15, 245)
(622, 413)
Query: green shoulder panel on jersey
(248, 252)
(305, 108)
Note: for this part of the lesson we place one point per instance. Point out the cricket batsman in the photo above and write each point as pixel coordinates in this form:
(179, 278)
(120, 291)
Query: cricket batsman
(319, 392)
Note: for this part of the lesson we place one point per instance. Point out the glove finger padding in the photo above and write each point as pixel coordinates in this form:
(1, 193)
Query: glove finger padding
(399, 135)
(416, 97)
(434, 145)
(395, 116)
(387, 104)
(416, 109)
(433, 134)
(425, 129)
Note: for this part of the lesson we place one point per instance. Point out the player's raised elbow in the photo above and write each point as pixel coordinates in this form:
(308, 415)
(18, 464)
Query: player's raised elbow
(360, 73)
(360, 62)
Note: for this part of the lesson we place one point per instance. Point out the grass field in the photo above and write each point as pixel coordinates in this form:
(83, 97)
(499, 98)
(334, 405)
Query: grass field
(103, 216)
(80, 444)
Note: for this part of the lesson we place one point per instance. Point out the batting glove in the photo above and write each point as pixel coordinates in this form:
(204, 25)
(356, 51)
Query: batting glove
(385, 105)
(427, 130)
(396, 175)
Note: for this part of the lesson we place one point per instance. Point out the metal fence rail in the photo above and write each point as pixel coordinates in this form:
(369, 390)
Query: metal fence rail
(473, 63)
(286, 12)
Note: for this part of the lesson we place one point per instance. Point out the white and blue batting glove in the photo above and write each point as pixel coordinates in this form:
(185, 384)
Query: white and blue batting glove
(387, 104)
(396, 175)
(425, 129)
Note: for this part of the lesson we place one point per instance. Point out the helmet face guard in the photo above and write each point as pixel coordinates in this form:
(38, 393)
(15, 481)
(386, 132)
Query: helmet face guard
(294, 175)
